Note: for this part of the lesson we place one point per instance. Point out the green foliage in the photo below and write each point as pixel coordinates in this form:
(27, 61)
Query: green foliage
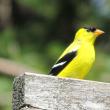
(5, 92)
(38, 43)
(48, 8)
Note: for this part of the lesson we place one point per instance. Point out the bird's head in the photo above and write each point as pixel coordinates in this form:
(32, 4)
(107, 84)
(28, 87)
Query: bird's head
(88, 34)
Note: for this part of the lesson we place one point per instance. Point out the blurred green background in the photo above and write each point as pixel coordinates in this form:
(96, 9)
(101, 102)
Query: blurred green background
(33, 33)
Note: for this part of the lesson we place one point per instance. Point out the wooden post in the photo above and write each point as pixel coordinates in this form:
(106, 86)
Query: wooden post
(42, 92)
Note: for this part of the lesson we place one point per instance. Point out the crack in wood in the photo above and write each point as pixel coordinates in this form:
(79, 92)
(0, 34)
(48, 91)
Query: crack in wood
(30, 106)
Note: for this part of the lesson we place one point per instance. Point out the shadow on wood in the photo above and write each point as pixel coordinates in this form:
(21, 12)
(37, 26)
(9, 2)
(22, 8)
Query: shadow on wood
(42, 92)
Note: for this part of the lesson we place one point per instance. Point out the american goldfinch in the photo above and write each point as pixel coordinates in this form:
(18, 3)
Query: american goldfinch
(77, 60)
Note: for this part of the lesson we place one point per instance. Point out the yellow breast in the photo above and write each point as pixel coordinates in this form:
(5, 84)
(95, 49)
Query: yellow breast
(81, 64)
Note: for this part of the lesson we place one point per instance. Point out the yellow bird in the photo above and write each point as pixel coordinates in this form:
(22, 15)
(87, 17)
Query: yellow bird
(77, 60)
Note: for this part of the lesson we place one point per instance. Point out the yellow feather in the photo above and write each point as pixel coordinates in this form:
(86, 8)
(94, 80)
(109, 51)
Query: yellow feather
(81, 64)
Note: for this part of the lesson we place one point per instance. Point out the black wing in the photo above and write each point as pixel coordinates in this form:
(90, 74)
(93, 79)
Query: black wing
(62, 63)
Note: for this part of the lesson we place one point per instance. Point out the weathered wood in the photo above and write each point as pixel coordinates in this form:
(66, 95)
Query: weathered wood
(41, 92)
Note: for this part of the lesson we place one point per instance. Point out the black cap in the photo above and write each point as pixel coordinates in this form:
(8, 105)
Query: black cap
(90, 29)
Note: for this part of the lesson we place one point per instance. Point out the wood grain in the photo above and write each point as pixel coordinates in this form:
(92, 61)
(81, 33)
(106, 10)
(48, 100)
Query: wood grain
(42, 92)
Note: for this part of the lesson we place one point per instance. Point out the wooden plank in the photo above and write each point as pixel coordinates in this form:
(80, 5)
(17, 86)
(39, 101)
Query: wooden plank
(42, 92)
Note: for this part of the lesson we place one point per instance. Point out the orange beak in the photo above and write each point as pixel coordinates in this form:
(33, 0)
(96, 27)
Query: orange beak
(98, 32)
